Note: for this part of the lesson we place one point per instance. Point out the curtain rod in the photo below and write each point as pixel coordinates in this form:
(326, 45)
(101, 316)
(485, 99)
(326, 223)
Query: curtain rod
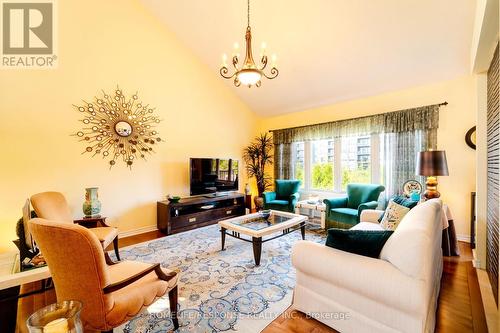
(279, 129)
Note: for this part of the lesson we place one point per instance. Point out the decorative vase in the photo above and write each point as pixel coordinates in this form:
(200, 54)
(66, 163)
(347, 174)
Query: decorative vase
(91, 205)
(415, 195)
(247, 189)
(259, 203)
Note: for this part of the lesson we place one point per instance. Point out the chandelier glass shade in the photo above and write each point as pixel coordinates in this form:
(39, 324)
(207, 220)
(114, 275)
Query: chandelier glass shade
(248, 73)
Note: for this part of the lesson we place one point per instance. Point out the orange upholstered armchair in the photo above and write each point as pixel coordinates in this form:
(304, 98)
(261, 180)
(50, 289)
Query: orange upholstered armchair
(53, 206)
(111, 294)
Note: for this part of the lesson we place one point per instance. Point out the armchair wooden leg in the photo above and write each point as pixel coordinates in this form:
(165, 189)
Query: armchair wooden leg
(110, 331)
(172, 297)
(115, 245)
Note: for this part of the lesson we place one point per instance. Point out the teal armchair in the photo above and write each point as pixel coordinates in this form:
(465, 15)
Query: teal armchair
(285, 195)
(345, 211)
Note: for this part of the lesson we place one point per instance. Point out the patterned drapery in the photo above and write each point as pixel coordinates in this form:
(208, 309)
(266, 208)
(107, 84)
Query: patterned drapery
(405, 133)
(422, 118)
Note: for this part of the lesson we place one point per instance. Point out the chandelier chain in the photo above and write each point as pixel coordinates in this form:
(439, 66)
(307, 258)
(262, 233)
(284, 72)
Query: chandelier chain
(248, 13)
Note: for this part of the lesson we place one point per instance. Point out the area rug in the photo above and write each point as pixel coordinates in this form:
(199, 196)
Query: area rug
(219, 290)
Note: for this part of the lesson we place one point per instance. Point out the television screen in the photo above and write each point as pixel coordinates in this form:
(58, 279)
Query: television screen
(212, 175)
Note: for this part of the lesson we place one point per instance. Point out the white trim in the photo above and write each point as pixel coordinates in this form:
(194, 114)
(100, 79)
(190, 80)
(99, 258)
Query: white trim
(138, 231)
(307, 165)
(337, 165)
(463, 238)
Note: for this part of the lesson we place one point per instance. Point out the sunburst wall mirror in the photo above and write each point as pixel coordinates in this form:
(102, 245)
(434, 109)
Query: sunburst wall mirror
(118, 128)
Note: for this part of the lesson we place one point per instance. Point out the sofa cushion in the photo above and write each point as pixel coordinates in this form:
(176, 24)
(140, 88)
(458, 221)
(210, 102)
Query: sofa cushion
(367, 226)
(393, 216)
(403, 201)
(367, 243)
(419, 233)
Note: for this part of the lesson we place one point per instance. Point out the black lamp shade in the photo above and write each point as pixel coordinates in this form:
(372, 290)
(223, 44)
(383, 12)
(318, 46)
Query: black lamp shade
(432, 163)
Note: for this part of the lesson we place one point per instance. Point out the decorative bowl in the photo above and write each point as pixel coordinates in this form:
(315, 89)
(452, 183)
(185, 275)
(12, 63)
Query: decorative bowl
(265, 214)
(174, 199)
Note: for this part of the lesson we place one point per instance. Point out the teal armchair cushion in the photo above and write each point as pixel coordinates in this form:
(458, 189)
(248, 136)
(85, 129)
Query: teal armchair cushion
(269, 196)
(346, 210)
(285, 196)
(284, 188)
(361, 193)
(363, 242)
(335, 203)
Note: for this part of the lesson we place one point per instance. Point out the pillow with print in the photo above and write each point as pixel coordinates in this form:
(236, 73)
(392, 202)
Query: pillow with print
(393, 215)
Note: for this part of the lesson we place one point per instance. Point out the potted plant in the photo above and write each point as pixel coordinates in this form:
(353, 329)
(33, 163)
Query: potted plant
(257, 156)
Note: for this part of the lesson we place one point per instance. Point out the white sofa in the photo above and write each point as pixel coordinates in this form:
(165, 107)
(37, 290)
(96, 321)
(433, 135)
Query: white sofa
(397, 292)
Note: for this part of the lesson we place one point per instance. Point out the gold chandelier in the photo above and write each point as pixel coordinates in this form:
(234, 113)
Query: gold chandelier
(248, 74)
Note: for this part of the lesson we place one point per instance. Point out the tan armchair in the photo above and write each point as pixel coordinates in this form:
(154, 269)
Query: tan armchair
(111, 294)
(53, 206)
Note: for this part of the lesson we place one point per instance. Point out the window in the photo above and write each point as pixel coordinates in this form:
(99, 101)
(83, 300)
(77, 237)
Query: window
(322, 155)
(234, 168)
(329, 165)
(355, 160)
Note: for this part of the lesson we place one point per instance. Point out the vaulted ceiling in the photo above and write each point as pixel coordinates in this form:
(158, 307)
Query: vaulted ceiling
(329, 50)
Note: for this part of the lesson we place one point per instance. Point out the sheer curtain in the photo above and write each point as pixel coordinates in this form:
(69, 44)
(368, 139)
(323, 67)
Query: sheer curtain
(399, 157)
(283, 161)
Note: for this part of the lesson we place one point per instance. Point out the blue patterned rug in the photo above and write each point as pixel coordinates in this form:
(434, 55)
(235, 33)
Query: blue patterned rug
(219, 290)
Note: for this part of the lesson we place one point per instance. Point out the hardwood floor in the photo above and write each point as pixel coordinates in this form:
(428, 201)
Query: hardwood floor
(460, 306)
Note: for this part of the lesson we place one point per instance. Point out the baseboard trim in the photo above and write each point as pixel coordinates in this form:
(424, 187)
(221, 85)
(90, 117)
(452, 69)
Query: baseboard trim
(463, 238)
(138, 231)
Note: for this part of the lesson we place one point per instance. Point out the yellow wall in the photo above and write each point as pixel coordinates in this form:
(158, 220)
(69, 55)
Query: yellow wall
(102, 44)
(455, 120)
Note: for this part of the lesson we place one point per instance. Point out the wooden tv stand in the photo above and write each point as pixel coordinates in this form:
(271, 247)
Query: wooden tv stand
(196, 212)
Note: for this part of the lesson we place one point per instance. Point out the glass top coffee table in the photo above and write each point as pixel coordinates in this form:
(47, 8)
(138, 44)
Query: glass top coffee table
(256, 227)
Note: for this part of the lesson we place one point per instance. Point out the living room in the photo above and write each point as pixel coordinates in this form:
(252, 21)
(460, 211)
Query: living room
(351, 92)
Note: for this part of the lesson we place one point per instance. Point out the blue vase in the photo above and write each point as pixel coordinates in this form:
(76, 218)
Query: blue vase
(91, 205)
(414, 195)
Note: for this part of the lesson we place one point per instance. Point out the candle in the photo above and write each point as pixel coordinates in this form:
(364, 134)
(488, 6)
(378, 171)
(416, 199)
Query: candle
(59, 325)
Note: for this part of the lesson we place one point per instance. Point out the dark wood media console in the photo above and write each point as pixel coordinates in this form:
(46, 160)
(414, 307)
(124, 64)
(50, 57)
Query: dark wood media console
(196, 212)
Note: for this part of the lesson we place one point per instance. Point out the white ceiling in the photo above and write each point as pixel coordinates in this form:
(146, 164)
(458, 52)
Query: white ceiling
(329, 50)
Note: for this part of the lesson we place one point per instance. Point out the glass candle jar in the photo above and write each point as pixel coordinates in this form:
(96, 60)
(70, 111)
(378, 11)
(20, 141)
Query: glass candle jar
(61, 317)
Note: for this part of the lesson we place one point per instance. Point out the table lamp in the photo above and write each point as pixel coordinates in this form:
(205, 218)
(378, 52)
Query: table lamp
(432, 163)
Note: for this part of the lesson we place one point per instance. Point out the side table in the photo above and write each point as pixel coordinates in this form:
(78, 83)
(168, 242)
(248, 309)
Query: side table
(92, 221)
(449, 238)
(312, 206)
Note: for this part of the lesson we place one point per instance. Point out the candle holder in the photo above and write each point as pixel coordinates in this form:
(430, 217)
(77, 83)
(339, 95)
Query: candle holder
(63, 317)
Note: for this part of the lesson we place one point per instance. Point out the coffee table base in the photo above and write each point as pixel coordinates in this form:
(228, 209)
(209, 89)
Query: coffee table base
(257, 241)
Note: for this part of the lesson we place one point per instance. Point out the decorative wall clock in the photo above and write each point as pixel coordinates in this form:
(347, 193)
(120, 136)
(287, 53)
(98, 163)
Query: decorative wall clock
(118, 128)
(470, 138)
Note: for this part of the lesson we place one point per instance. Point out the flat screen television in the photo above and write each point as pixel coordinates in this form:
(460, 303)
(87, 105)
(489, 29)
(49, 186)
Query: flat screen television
(213, 175)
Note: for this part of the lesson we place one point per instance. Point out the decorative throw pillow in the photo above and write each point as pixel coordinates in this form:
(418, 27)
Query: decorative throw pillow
(403, 201)
(367, 243)
(394, 213)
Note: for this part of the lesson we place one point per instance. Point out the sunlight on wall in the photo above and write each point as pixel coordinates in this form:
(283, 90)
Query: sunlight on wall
(201, 117)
